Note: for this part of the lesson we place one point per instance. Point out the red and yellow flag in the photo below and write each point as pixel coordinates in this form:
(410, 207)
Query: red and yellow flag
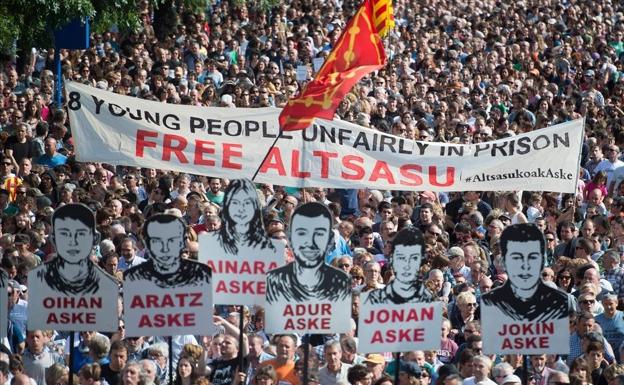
(357, 52)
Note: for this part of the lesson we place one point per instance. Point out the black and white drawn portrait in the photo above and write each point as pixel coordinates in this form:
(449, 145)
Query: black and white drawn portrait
(524, 296)
(308, 278)
(72, 274)
(408, 249)
(167, 294)
(242, 230)
(165, 237)
(241, 242)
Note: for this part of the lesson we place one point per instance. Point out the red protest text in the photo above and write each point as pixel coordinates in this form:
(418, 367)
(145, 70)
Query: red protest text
(314, 316)
(71, 316)
(241, 267)
(398, 335)
(527, 336)
(354, 168)
(167, 320)
(155, 301)
(241, 287)
(383, 316)
(204, 152)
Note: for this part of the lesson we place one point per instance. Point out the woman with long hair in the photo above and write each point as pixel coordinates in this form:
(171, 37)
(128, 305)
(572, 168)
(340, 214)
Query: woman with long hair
(186, 372)
(242, 219)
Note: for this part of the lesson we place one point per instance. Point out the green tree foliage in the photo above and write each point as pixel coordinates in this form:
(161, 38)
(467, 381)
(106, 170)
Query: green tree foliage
(29, 23)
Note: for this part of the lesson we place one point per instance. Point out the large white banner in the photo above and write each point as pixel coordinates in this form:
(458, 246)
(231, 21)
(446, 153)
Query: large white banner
(226, 142)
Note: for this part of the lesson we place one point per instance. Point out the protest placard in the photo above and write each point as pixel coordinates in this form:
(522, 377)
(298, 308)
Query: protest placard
(221, 142)
(307, 295)
(525, 315)
(240, 253)
(400, 316)
(70, 292)
(390, 327)
(167, 295)
(302, 73)
(317, 63)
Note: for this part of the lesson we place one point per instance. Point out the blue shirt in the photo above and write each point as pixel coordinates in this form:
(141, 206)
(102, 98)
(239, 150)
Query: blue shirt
(612, 329)
(52, 161)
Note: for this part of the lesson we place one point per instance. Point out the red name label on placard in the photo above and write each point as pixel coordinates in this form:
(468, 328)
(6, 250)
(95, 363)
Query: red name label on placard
(241, 267)
(241, 287)
(527, 336)
(398, 335)
(167, 320)
(153, 301)
(72, 303)
(400, 315)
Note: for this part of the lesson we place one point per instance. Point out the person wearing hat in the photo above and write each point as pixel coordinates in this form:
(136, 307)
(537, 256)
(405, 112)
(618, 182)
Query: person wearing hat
(375, 363)
(409, 371)
(458, 262)
(511, 379)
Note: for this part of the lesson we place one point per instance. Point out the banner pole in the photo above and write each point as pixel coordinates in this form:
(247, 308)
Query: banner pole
(397, 369)
(306, 358)
(241, 325)
(253, 178)
(71, 358)
(170, 343)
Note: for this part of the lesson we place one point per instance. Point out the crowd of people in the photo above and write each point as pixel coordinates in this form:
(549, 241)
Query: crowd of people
(461, 72)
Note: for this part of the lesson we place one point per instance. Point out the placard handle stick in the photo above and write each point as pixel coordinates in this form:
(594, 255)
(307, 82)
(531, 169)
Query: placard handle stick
(525, 369)
(241, 325)
(397, 360)
(170, 343)
(71, 358)
(306, 358)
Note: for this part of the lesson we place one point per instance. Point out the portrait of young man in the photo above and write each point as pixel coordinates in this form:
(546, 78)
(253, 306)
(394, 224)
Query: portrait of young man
(408, 248)
(524, 296)
(73, 293)
(308, 277)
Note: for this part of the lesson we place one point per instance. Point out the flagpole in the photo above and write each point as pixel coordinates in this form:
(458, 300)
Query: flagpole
(253, 178)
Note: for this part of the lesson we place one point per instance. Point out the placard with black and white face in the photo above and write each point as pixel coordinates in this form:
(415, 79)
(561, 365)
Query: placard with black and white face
(307, 295)
(240, 253)
(525, 315)
(4, 304)
(167, 295)
(70, 292)
(401, 316)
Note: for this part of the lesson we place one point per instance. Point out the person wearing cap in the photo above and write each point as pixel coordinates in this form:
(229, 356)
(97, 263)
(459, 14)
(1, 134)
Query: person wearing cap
(410, 371)
(375, 363)
(612, 322)
(334, 369)
(408, 249)
(511, 379)
(458, 262)
(523, 248)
